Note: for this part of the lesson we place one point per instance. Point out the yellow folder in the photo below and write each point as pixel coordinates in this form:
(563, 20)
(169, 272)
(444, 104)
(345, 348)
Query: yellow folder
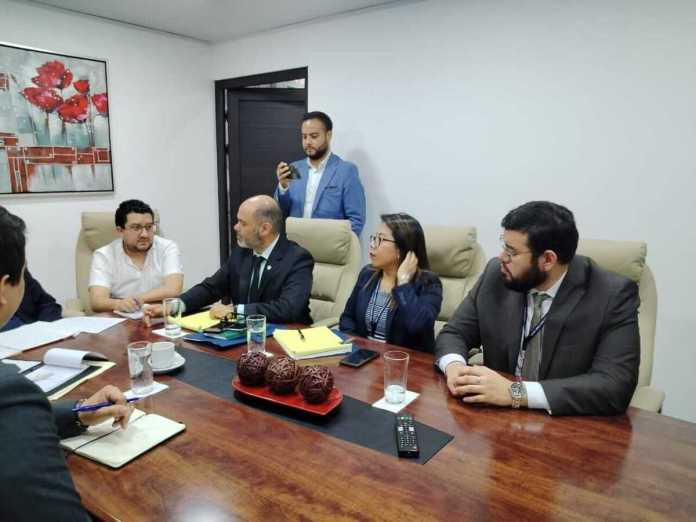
(316, 341)
(198, 322)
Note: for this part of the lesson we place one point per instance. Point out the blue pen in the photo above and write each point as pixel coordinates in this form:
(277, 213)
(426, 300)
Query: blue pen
(100, 405)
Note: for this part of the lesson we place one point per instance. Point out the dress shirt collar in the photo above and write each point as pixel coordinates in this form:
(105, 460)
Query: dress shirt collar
(323, 163)
(551, 292)
(267, 253)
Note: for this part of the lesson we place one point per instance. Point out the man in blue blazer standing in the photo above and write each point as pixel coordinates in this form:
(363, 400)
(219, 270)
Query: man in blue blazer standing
(322, 185)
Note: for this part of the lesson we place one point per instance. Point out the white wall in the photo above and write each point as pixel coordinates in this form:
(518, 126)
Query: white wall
(162, 132)
(456, 111)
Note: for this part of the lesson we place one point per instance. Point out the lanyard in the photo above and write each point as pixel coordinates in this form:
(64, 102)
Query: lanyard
(537, 328)
(373, 322)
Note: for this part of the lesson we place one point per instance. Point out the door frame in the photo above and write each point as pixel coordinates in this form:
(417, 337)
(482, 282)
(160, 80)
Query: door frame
(222, 133)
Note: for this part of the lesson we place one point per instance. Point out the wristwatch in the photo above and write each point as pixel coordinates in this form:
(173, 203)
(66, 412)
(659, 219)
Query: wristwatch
(517, 393)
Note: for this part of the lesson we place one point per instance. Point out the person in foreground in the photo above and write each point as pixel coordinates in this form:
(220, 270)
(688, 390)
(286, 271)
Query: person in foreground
(268, 274)
(328, 187)
(565, 328)
(36, 305)
(396, 298)
(137, 268)
(34, 481)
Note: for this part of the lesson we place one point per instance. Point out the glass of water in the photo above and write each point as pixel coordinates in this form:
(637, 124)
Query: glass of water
(171, 311)
(256, 333)
(140, 367)
(395, 376)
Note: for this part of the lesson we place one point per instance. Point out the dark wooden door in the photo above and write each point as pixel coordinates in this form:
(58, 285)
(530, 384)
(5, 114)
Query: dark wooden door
(257, 128)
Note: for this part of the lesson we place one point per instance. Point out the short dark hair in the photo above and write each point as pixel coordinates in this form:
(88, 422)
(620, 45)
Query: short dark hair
(408, 236)
(131, 206)
(269, 211)
(321, 116)
(548, 226)
(12, 245)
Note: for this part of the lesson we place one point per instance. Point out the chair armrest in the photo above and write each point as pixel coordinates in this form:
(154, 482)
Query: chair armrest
(648, 398)
(73, 308)
(329, 321)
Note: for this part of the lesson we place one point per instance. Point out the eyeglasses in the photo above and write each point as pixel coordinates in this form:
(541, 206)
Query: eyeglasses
(508, 253)
(149, 228)
(377, 240)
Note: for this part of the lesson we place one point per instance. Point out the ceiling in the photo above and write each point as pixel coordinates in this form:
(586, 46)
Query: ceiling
(214, 20)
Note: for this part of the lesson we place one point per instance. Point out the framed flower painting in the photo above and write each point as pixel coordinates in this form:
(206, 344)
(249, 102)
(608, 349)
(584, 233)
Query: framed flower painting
(54, 123)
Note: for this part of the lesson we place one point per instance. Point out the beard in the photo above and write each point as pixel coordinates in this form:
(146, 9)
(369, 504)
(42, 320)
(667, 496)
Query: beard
(532, 278)
(319, 153)
(252, 243)
(138, 246)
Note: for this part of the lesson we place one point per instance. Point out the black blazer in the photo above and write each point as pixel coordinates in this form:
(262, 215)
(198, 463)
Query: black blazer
(411, 323)
(590, 347)
(36, 305)
(285, 286)
(34, 481)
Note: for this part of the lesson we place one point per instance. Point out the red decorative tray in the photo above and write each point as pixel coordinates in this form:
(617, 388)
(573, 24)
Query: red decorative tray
(292, 400)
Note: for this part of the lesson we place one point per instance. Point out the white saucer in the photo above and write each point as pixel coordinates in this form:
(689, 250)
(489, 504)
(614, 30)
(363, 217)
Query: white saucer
(177, 363)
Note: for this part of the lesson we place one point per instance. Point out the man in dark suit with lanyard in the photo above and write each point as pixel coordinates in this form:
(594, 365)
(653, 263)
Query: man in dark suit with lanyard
(268, 275)
(565, 328)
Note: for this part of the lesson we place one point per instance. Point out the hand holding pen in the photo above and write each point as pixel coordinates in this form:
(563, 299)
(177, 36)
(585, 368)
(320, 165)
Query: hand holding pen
(112, 404)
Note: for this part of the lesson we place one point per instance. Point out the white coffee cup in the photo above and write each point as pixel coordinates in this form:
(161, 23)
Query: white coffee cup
(162, 354)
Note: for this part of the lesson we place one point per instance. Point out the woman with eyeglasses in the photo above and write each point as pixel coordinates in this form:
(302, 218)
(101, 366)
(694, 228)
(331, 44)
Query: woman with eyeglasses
(396, 299)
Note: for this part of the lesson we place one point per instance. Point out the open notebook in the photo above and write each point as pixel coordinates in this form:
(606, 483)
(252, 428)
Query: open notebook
(116, 447)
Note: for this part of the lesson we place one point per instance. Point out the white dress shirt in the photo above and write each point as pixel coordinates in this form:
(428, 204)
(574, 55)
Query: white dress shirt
(536, 398)
(112, 268)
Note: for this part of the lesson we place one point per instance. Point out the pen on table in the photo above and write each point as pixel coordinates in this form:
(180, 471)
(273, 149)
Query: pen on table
(100, 405)
(299, 331)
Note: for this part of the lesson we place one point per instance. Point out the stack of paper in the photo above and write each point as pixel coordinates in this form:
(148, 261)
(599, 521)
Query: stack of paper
(311, 342)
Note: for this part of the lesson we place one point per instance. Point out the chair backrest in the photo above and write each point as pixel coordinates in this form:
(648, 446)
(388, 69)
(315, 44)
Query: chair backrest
(336, 252)
(97, 230)
(627, 258)
(457, 258)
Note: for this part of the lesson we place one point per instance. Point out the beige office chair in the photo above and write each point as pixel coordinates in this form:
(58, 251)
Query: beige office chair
(336, 252)
(627, 258)
(457, 258)
(97, 230)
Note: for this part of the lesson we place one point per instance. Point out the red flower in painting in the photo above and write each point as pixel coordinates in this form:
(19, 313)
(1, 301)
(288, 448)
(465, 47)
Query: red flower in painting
(81, 86)
(101, 102)
(45, 99)
(74, 110)
(53, 74)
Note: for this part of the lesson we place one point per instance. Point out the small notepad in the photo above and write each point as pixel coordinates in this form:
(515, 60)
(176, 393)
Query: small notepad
(115, 446)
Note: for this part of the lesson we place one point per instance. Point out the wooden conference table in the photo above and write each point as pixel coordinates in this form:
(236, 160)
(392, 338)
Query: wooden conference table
(235, 462)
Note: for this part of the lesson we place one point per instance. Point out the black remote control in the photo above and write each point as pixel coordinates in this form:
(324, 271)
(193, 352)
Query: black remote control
(406, 439)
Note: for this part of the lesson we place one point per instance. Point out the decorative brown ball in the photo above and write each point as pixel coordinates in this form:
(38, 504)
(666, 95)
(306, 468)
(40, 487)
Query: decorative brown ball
(316, 383)
(282, 374)
(252, 368)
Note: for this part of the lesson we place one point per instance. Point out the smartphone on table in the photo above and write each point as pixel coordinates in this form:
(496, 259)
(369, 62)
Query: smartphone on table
(359, 357)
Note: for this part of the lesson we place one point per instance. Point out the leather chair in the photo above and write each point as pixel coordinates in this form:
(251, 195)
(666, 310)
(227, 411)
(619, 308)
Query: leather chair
(457, 258)
(627, 258)
(337, 262)
(97, 230)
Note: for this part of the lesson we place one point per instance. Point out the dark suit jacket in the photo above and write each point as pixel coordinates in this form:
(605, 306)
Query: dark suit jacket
(340, 194)
(590, 348)
(34, 481)
(36, 305)
(285, 286)
(411, 323)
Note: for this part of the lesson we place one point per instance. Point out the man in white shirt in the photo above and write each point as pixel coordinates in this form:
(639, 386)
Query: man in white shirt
(137, 268)
(322, 185)
(565, 328)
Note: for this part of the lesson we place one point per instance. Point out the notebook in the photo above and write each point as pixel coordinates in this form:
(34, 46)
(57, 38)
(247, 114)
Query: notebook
(62, 369)
(115, 447)
(317, 342)
(198, 322)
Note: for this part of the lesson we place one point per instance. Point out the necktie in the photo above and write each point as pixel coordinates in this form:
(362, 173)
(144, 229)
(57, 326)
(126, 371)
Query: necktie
(532, 356)
(252, 295)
